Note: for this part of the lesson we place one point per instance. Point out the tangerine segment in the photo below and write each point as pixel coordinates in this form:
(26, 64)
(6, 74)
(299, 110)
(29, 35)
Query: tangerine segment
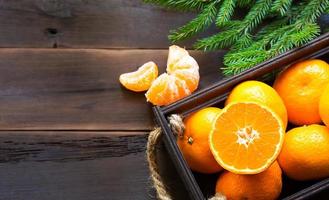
(167, 89)
(190, 77)
(175, 54)
(183, 66)
(246, 138)
(141, 79)
(181, 79)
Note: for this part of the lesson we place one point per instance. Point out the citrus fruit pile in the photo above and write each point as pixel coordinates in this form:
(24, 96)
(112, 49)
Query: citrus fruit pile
(246, 141)
(182, 78)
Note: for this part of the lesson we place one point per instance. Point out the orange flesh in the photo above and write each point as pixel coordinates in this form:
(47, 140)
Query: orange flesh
(141, 79)
(246, 138)
(181, 79)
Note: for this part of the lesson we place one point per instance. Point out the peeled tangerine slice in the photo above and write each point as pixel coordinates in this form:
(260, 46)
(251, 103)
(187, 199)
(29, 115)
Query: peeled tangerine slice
(181, 79)
(246, 138)
(167, 89)
(175, 54)
(141, 79)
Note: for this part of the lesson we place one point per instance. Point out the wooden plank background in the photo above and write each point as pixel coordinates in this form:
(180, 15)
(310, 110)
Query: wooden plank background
(78, 89)
(68, 130)
(87, 24)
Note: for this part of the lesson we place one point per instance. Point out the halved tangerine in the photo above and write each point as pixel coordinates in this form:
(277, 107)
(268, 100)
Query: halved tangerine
(246, 138)
(141, 79)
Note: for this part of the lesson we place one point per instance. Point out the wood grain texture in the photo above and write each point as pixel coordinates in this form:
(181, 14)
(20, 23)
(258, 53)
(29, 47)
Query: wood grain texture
(87, 24)
(56, 89)
(41, 146)
(75, 165)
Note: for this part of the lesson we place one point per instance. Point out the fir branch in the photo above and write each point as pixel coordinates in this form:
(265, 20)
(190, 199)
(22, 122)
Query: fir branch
(221, 40)
(292, 24)
(232, 24)
(313, 10)
(245, 3)
(279, 41)
(281, 6)
(198, 24)
(271, 38)
(239, 61)
(270, 28)
(182, 5)
(295, 10)
(256, 14)
(225, 12)
(295, 37)
(243, 42)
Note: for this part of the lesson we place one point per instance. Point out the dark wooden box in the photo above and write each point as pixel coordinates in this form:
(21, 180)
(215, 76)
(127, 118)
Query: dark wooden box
(202, 186)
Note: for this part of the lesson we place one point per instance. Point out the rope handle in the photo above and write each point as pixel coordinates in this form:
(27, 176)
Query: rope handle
(177, 126)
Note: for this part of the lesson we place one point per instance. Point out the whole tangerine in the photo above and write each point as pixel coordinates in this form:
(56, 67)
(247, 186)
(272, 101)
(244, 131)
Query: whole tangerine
(304, 155)
(259, 92)
(266, 185)
(324, 106)
(300, 87)
(194, 144)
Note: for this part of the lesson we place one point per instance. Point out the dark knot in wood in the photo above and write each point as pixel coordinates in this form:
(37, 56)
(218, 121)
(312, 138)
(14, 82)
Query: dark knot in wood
(56, 8)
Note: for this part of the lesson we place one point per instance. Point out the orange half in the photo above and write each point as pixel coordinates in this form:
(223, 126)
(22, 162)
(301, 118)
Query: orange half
(246, 138)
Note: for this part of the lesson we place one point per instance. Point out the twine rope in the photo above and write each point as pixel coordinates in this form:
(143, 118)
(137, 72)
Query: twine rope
(177, 127)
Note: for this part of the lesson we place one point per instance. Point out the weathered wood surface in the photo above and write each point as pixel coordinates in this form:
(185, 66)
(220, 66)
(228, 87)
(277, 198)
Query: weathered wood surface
(73, 165)
(43, 89)
(77, 90)
(87, 24)
(68, 130)
(79, 165)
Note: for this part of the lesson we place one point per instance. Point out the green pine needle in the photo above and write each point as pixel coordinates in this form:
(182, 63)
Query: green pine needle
(181, 5)
(245, 3)
(281, 6)
(271, 28)
(256, 14)
(198, 24)
(284, 39)
(237, 62)
(243, 42)
(295, 37)
(313, 10)
(218, 41)
(290, 24)
(225, 12)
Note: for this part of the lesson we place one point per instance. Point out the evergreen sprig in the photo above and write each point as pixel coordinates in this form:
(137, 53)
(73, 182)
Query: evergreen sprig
(218, 41)
(245, 3)
(289, 24)
(281, 40)
(229, 37)
(225, 12)
(281, 6)
(256, 14)
(198, 24)
(313, 10)
(181, 5)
